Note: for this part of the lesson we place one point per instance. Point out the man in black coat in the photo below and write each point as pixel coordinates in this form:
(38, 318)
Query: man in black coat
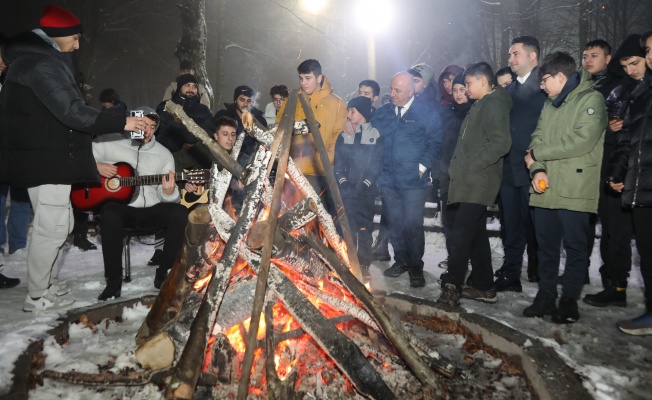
(528, 99)
(45, 142)
(174, 135)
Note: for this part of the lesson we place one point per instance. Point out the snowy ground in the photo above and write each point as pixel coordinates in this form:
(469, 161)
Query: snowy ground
(613, 365)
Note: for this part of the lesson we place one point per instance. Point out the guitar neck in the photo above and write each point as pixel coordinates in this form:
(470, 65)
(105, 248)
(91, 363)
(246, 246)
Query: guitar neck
(149, 179)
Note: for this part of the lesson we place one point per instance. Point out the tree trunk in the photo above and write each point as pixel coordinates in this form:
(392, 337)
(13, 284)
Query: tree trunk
(583, 24)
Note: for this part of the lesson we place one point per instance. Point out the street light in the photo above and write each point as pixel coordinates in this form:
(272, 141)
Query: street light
(314, 6)
(373, 17)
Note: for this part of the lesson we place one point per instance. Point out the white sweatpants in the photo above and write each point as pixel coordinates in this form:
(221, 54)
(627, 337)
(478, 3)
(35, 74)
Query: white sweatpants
(53, 222)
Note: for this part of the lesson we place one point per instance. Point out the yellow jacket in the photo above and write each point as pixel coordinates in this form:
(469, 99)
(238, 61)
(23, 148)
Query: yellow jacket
(330, 112)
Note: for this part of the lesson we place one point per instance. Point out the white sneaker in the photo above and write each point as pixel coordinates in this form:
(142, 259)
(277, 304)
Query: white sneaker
(17, 256)
(59, 288)
(48, 302)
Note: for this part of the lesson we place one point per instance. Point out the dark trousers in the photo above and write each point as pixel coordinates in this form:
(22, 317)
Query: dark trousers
(519, 230)
(552, 228)
(405, 211)
(114, 217)
(320, 185)
(642, 217)
(466, 240)
(360, 213)
(617, 232)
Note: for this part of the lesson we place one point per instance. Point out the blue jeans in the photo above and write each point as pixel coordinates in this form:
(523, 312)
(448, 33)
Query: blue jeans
(20, 213)
(405, 209)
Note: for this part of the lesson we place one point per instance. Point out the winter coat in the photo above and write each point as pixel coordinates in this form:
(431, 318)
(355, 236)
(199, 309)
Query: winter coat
(632, 160)
(447, 99)
(415, 139)
(172, 134)
(567, 144)
(201, 92)
(249, 143)
(270, 113)
(452, 125)
(358, 159)
(476, 167)
(45, 126)
(428, 97)
(528, 100)
(149, 158)
(331, 113)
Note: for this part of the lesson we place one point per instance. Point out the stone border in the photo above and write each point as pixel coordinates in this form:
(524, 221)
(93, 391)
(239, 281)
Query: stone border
(550, 376)
(95, 313)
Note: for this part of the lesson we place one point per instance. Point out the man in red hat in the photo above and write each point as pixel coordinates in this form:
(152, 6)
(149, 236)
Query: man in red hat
(45, 142)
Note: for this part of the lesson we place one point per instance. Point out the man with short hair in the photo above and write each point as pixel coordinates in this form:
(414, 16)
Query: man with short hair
(279, 94)
(331, 113)
(528, 100)
(174, 135)
(45, 142)
(412, 134)
(369, 89)
(185, 67)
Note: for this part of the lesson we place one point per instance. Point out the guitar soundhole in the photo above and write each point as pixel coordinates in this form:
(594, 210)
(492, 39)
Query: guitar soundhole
(113, 184)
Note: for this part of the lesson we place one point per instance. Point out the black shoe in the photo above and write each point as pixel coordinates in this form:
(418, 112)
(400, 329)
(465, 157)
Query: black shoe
(567, 312)
(500, 272)
(156, 258)
(615, 294)
(7, 283)
(80, 240)
(542, 305)
(397, 269)
(449, 295)
(161, 274)
(113, 289)
(504, 284)
(416, 277)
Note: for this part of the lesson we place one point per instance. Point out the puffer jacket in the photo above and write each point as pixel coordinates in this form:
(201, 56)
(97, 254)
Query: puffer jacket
(172, 134)
(331, 113)
(149, 158)
(477, 165)
(415, 139)
(45, 127)
(358, 159)
(632, 161)
(567, 144)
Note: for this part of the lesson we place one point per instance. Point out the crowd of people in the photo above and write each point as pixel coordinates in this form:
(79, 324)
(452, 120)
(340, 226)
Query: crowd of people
(557, 146)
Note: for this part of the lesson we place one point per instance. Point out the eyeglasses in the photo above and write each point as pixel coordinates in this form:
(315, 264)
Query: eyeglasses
(543, 81)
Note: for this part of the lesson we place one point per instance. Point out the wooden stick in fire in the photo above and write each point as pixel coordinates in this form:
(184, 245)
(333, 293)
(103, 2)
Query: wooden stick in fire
(285, 130)
(420, 368)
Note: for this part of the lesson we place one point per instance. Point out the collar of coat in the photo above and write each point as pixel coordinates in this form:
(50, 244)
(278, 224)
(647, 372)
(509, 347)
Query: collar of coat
(572, 83)
(325, 91)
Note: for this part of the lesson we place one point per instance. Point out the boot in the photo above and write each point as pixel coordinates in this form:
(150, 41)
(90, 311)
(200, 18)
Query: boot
(567, 312)
(417, 279)
(542, 305)
(113, 289)
(80, 240)
(161, 275)
(614, 294)
(379, 249)
(449, 296)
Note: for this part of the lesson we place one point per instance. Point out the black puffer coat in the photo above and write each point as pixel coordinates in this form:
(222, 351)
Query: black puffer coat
(173, 134)
(45, 126)
(632, 160)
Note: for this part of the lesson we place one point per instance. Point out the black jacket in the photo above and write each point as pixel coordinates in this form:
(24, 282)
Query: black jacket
(45, 126)
(527, 100)
(632, 160)
(249, 144)
(428, 97)
(357, 161)
(452, 125)
(173, 134)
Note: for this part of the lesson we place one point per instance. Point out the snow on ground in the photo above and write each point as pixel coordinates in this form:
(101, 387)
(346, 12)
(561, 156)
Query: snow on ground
(613, 365)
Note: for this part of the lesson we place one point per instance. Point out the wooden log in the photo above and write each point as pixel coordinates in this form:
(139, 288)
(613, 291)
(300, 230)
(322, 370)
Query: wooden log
(276, 389)
(197, 245)
(188, 369)
(222, 155)
(394, 334)
(298, 216)
(333, 187)
(285, 131)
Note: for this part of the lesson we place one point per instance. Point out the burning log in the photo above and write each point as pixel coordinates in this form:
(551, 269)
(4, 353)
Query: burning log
(276, 389)
(333, 187)
(396, 336)
(187, 370)
(303, 212)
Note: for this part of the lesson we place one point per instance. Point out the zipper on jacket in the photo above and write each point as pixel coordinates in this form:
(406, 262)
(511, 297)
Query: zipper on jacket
(70, 144)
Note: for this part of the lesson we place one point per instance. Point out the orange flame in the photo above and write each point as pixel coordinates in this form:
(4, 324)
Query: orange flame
(201, 283)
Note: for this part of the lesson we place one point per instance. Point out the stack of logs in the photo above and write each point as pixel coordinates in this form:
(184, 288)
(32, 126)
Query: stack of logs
(268, 247)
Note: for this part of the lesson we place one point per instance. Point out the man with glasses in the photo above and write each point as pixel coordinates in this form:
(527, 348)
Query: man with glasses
(279, 94)
(528, 100)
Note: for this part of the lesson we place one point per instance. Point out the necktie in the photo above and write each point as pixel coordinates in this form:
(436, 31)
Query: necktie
(398, 114)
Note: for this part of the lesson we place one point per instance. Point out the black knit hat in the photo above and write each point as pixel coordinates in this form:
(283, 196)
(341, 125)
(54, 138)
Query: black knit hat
(631, 46)
(363, 106)
(246, 90)
(59, 22)
(459, 79)
(185, 78)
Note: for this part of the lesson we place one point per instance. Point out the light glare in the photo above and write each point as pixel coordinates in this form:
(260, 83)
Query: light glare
(373, 16)
(314, 6)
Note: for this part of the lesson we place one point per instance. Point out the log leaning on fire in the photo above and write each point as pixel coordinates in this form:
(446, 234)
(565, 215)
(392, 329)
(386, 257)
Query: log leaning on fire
(187, 370)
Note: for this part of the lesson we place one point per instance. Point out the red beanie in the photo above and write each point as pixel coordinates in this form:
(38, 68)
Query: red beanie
(59, 22)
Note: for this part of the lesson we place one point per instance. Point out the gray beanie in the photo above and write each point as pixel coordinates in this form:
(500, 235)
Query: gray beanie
(422, 71)
(149, 111)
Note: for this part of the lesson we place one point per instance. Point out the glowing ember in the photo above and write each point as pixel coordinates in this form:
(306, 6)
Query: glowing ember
(201, 283)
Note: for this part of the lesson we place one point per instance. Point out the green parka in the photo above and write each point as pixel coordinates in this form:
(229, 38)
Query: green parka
(567, 144)
(476, 168)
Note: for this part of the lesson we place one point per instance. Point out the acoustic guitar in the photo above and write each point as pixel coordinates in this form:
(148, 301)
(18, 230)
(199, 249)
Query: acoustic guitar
(122, 187)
